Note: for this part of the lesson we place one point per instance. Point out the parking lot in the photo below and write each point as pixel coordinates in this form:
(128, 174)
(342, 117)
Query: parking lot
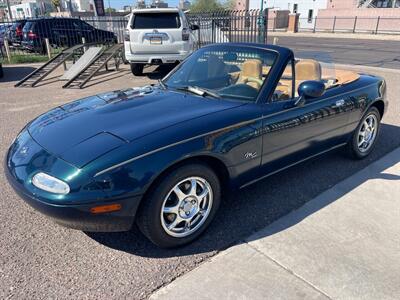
(42, 260)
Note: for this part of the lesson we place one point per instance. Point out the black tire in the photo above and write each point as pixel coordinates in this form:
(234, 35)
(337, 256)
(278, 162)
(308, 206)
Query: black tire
(352, 146)
(137, 69)
(149, 218)
(1, 71)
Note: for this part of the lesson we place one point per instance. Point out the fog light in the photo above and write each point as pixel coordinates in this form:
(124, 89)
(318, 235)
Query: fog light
(50, 184)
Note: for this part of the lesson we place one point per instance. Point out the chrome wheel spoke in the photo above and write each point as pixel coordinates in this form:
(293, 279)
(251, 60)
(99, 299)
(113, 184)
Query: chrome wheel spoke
(174, 223)
(171, 209)
(202, 195)
(193, 187)
(178, 192)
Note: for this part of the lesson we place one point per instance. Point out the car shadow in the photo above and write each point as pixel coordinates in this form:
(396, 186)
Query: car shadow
(13, 73)
(159, 72)
(255, 207)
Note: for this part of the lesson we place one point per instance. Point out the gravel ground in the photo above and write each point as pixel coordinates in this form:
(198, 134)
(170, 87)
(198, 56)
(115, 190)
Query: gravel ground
(42, 260)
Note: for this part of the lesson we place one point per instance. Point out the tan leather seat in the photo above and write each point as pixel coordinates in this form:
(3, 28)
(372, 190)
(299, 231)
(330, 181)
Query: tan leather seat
(345, 77)
(307, 69)
(251, 68)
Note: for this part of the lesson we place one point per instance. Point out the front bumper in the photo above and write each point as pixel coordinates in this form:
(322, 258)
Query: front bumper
(71, 212)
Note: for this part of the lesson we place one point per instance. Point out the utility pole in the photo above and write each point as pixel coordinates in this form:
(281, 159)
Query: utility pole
(9, 10)
(261, 22)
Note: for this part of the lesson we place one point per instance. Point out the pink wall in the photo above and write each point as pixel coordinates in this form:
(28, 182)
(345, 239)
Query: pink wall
(360, 12)
(367, 19)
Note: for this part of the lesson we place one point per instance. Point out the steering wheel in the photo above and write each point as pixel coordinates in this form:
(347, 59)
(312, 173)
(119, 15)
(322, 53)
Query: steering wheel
(241, 89)
(253, 79)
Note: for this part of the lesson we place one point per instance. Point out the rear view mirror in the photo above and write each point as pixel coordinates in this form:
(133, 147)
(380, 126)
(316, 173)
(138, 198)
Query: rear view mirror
(194, 27)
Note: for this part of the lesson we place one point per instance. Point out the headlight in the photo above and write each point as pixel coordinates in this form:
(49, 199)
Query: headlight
(50, 184)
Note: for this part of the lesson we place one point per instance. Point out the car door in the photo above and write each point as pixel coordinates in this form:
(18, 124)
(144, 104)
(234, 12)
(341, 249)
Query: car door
(292, 133)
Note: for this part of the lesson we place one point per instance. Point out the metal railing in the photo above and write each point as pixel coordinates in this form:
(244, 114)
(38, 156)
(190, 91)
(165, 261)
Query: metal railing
(37, 40)
(230, 26)
(376, 25)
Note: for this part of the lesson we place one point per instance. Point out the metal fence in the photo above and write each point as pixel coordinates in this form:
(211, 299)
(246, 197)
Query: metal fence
(377, 25)
(36, 40)
(230, 26)
(49, 36)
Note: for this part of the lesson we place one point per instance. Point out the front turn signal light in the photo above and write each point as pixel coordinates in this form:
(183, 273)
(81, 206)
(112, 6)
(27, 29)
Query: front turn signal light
(105, 208)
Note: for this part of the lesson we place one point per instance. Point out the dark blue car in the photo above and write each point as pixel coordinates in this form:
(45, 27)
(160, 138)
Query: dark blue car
(162, 155)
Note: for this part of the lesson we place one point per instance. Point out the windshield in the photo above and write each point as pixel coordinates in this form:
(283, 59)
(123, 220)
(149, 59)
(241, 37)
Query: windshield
(225, 71)
(29, 26)
(156, 20)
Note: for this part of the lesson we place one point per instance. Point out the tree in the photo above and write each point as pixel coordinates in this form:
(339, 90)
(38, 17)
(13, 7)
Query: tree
(205, 5)
(56, 4)
(230, 4)
(110, 9)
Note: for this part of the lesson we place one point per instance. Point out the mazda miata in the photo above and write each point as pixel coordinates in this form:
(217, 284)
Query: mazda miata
(162, 155)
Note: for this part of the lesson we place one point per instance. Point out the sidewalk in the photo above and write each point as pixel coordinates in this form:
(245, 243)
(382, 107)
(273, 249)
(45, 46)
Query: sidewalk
(344, 244)
(338, 35)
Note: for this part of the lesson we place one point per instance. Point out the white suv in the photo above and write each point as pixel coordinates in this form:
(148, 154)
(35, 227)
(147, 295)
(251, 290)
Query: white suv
(157, 36)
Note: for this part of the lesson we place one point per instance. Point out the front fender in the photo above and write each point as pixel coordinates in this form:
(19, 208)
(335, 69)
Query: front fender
(136, 173)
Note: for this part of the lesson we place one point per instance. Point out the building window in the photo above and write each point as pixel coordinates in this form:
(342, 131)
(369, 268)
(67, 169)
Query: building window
(295, 7)
(310, 15)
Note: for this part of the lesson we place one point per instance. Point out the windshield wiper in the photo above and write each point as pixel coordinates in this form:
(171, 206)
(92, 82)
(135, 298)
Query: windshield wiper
(199, 91)
(162, 84)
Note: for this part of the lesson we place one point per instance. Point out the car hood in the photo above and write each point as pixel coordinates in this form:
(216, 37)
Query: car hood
(83, 130)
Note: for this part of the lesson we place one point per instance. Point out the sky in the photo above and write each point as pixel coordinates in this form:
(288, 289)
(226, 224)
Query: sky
(118, 4)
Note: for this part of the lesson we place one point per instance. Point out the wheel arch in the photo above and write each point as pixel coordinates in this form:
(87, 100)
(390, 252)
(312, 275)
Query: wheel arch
(214, 163)
(380, 106)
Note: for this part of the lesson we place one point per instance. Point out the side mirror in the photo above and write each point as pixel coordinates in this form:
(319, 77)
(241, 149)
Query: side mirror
(194, 27)
(311, 89)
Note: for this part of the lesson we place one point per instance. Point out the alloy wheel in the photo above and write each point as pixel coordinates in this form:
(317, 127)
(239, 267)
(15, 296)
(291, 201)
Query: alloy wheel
(186, 207)
(367, 133)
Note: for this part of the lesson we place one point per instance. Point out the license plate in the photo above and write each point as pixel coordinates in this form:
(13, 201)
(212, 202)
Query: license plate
(156, 40)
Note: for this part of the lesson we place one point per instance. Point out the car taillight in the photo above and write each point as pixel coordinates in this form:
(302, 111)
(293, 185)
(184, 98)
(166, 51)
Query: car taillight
(127, 37)
(32, 35)
(185, 34)
(18, 31)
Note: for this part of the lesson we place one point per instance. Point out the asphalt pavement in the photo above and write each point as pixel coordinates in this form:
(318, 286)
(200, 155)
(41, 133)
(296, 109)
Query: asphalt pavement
(40, 259)
(374, 53)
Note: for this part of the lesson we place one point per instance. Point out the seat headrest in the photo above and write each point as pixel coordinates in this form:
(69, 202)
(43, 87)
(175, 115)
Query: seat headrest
(308, 69)
(252, 68)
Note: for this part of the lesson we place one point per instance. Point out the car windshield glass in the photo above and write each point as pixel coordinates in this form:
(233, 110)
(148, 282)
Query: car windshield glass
(226, 71)
(29, 26)
(156, 20)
